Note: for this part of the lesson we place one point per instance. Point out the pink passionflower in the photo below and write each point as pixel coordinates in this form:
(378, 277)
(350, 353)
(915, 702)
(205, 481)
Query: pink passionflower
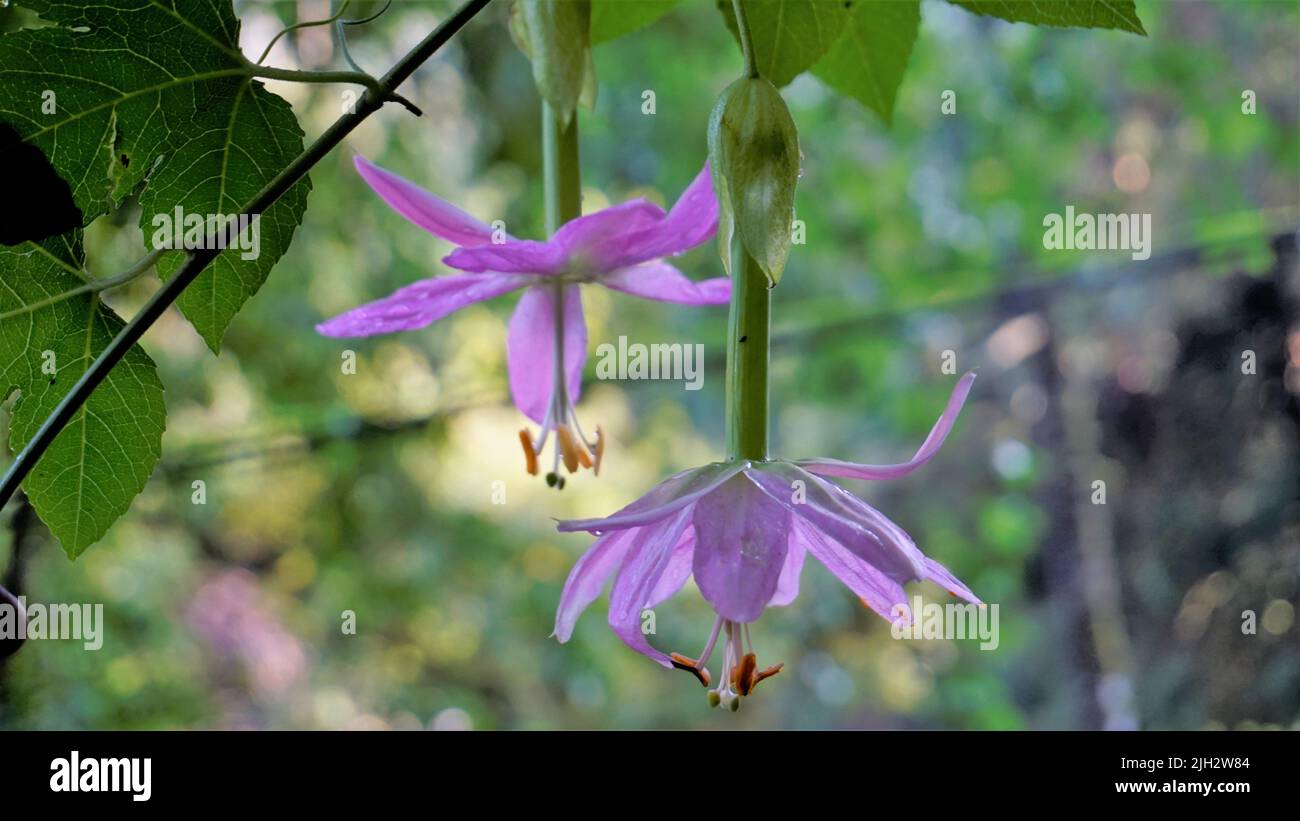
(743, 529)
(621, 247)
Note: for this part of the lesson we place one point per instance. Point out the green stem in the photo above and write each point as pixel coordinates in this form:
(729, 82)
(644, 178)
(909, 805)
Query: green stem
(746, 44)
(561, 175)
(562, 184)
(748, 332)
(199, 259)
(748, 324)
(373, 85)
(94, 285)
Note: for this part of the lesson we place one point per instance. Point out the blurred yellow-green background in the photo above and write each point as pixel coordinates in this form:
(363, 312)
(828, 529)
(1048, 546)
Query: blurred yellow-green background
(372, 492)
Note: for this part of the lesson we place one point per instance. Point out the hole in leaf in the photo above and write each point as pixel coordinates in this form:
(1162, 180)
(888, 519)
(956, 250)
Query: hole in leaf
(15, 18)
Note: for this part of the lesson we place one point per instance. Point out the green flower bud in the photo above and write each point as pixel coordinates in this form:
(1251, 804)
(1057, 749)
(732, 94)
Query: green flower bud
(556, 37)
(754, 154)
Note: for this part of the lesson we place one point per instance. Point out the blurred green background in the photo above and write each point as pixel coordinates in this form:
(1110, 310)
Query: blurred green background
(372, 492)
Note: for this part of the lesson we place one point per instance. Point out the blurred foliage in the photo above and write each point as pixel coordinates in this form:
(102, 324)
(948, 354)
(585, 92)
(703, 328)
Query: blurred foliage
(372, 492)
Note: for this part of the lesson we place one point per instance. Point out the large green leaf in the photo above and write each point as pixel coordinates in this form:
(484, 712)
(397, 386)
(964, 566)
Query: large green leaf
(614, 18)
(121, 94)
(1096, 14)
(868, 61)
(102, 459)
(789, 36)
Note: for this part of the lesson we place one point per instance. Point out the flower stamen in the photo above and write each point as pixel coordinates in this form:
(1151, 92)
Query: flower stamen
(767, 673)
(571, 445)
(573, 448)
(568, 447)
(740, 668)
(691, 666)
(599, 450)
(742, 675)
(530, 455)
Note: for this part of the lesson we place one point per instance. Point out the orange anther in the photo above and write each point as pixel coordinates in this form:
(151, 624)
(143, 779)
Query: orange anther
(530, 458)
(691, 666)
(568, 447)
(768, 673)
(742, 677)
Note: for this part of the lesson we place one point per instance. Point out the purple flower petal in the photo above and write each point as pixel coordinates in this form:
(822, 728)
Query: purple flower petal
(787, 587)
(741, 540)
(574, 248)
(587, 578)
(664, 499)
(530, 348)
(643, 567)
(931, 445)
(678, 569)
(437, 216)
(522, 256)
(879, 592)
(848, 520)
(692, 220)
(590, 233)
(941, 576)
(659, 280)
(420, 303)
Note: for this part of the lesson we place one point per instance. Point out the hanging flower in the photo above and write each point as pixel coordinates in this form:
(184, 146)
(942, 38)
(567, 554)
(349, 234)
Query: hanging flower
(743, 529)
(621, 248)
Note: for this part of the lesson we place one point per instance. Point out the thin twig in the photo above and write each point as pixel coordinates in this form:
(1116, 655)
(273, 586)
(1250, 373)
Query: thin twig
(295, 442)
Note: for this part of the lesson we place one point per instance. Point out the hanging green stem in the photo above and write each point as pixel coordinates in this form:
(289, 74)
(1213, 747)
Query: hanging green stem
(748, 331)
